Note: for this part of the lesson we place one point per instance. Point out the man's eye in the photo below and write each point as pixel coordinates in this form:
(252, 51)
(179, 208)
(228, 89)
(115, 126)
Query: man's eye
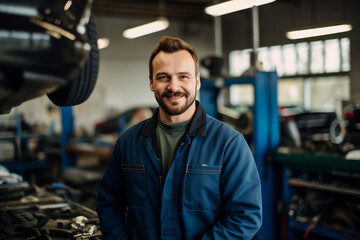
(184, 76)
(162, 78)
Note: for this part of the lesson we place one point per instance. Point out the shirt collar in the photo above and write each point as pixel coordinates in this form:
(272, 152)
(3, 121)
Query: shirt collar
(197, 125)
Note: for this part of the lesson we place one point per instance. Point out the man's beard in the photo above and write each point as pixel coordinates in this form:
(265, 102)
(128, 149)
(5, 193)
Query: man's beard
(175, 108)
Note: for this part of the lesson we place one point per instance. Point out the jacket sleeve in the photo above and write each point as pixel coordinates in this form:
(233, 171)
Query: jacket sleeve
(112, 203)
(240, 190)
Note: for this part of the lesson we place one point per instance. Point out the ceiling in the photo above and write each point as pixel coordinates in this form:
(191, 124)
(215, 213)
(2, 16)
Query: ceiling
(184, 10)
(172, 9)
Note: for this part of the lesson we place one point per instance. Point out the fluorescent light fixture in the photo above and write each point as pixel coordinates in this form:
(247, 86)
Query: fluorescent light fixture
(160, 24)
(320, 31)
(233, 6)
(67, 5)
(103, 43)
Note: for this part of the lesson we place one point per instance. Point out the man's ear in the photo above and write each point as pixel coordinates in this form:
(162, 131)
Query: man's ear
(198, 85)
(151, 83)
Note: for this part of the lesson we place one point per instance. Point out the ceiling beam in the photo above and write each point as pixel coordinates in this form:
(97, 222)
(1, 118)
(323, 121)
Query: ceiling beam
(150, 9)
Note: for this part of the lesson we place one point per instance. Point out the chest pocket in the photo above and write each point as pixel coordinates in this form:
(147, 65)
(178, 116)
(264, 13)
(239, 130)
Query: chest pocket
(135, 181)
(201, 187)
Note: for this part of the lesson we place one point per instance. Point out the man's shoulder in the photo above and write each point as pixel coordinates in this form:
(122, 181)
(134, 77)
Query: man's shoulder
(134, 130)
(216, 126)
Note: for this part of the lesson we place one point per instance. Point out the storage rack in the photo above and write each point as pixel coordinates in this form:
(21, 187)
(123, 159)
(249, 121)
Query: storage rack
(20, 140)
(301, 173)
(266, 135)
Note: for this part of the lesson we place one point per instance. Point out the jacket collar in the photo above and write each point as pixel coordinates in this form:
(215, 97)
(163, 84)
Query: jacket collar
(197, 126)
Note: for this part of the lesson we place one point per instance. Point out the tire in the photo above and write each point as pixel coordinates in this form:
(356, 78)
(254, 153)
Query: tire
(79, 89)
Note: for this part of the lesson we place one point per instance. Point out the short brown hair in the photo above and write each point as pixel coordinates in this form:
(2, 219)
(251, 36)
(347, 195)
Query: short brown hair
(170, 45)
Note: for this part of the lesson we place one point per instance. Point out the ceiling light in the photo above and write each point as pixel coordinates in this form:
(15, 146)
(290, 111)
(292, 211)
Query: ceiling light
(160, 24)
(103, 43)
(320, 31)
(67, 5)
(233, 6)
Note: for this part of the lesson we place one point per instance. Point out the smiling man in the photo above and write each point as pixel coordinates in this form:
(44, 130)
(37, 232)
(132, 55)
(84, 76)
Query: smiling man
(180, 174)
(175, 79)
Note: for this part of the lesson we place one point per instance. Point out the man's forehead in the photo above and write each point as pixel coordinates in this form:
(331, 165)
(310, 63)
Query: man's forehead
(181, 57)
(181, 52)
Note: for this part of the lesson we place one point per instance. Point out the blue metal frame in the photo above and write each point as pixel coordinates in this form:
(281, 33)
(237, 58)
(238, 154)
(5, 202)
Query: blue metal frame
(67, 121)
(122, 124)
(266, 135)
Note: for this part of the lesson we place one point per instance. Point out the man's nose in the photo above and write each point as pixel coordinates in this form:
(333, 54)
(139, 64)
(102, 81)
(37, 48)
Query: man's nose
(174, 85)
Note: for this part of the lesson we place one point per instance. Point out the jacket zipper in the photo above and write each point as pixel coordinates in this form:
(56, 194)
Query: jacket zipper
(162, 183)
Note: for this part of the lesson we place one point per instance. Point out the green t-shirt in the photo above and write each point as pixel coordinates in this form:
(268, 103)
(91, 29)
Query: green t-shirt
(168, 137)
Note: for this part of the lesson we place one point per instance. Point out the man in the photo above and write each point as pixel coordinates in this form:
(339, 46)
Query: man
(180, 174)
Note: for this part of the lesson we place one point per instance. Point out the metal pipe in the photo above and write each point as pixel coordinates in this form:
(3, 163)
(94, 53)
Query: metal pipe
(255, 28)
(218, 36)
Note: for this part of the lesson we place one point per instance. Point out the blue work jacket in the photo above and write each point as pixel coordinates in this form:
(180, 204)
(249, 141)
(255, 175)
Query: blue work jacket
(212, 190)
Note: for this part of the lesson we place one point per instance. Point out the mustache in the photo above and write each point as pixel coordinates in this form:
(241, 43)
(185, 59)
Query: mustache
(173, 94)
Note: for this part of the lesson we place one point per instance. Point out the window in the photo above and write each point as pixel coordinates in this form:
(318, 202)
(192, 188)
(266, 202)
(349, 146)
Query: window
(241, 94)
(239, 62)
(316, 57)
(290, 92)
(302, 50)
(294, 61)
(290, 60)
(326, 92)
(332, 56)
(345, 54)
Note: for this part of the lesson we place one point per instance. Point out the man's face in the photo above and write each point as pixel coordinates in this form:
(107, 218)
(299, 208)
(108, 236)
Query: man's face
(174, 82)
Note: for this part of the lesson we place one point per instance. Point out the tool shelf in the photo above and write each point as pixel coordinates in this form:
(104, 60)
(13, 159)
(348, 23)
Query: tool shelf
(334, 180)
